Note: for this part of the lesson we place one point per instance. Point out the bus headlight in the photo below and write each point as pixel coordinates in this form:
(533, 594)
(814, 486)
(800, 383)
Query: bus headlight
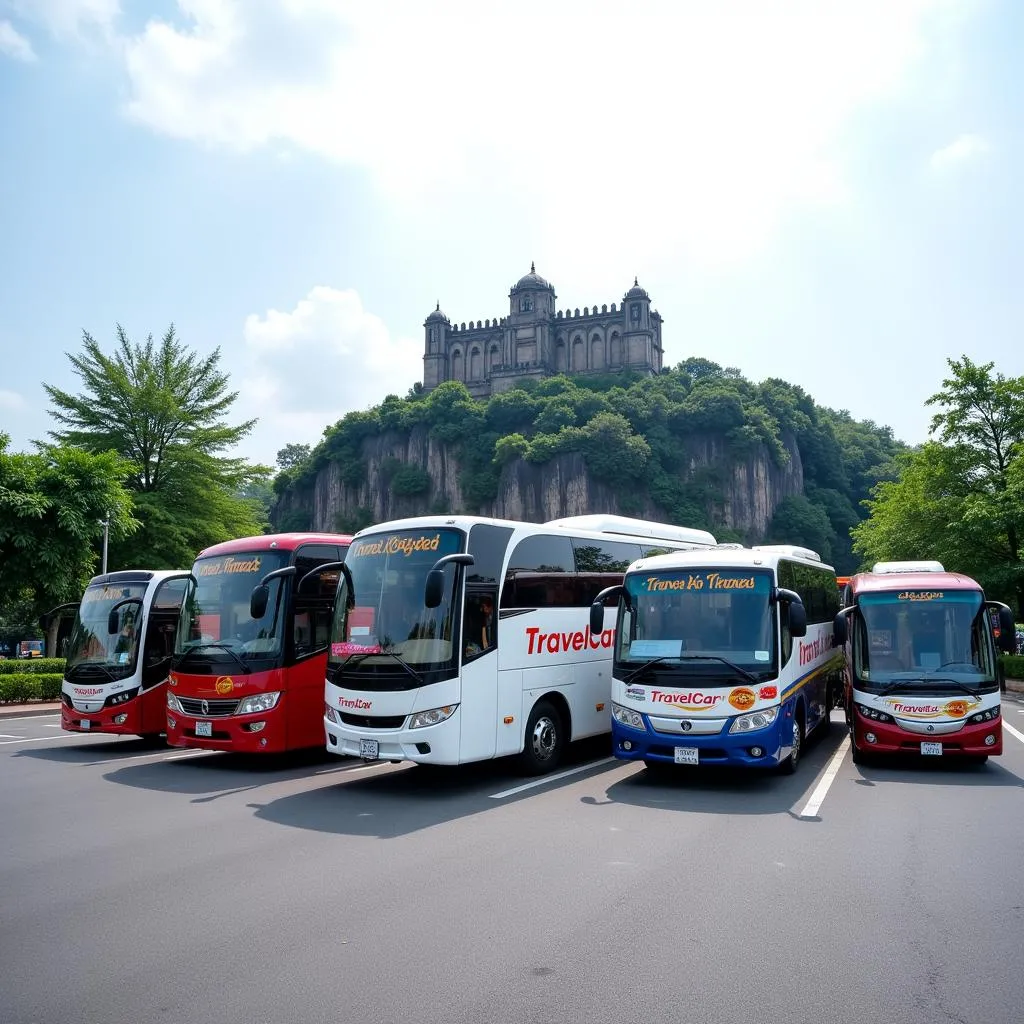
(874, 714)
(257, 704)
(984, 716)
(755, 720)
(627, 716)
(433, 717)
(331, 714)
(123, 697)
(172, 703)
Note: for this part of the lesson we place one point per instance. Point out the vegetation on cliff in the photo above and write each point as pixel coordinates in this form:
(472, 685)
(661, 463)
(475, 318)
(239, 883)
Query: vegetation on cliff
(632, 433)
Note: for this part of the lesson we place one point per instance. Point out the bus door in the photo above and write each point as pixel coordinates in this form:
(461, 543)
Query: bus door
(158, 646)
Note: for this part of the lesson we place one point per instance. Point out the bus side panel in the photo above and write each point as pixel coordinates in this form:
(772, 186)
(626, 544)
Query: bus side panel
(153, 707)
(509, 736)
(304, 702)
(479, 707)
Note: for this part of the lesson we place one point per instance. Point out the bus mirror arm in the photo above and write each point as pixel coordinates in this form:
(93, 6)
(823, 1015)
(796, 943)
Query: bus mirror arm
(840, 627)
(113, 619)
(1007, 639)
(261, 592)
(796, 610)
(318, 571)
(433, 588)
(46, 617)
(597, 608)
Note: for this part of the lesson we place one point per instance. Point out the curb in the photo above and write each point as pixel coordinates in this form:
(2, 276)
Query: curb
(28, 710)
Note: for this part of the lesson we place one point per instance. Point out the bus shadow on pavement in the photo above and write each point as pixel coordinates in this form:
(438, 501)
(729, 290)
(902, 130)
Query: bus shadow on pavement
(85, 753)
(948, 771)
(213, 775)
(716, 789)
(408, 798)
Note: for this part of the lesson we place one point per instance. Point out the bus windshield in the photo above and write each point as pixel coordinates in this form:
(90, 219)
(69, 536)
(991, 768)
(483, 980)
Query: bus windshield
(92, 650)
(379, 612)
(923, 637)
(215, 619)
(707, 617)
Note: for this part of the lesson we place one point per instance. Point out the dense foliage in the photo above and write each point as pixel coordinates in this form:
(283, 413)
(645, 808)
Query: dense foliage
(960, 497)
(51, 505)
(633, 434)
(162, 408)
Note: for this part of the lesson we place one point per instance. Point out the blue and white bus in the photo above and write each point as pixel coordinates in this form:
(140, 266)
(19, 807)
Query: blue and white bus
(723, 656)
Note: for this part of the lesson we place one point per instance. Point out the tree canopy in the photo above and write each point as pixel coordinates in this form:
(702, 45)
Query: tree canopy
(960, 498)
(52, 503)
(163, 409)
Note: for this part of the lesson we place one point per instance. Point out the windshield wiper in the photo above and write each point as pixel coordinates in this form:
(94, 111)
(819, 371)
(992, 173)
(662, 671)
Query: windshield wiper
(962, 687)
(384, 654)
(638, 672)
(87, 667)
(200, 645)
(749, 676)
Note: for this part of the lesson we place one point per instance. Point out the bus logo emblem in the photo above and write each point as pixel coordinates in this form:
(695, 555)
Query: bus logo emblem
(224, 685)
(206, 707)
(686, 726)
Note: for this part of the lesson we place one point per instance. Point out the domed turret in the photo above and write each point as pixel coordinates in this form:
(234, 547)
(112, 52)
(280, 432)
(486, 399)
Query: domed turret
(636, 292)
(437, 316)
(530, 280)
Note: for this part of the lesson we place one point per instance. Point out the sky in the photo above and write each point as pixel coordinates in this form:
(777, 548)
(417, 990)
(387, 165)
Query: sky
(822, 191)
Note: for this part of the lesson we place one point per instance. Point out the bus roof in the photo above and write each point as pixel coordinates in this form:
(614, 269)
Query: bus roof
(135, 576)
(273, 542)
(653, 532)
(730, 556)
(881, 583)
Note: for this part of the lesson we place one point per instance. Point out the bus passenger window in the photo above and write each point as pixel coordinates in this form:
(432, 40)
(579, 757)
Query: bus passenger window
(479, 631)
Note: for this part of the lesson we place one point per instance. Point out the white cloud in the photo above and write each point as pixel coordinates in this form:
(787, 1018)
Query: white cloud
(670, 127)
(11, 401)
(68, 17)
(307, 367)
(14, 44)
(963, 149)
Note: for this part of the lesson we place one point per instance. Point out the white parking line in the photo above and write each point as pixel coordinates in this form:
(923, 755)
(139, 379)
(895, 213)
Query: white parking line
(51, 725)
(119, 760)
(9, 736)
(50, 739)
(544, 780)
(28, 718)
(195, 753)
(813, 805)
(1010, 729)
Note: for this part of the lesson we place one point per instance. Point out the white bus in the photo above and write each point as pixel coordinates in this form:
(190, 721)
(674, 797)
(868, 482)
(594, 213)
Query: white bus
(723, 657)
(119, 653)
(461, 638)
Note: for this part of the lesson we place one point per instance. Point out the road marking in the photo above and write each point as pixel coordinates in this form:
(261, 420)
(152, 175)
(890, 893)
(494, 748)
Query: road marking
(195, 753)
(551, 778)
(9, 736)
(52, 725)
(119, 760)
(813, 805)
(1010, 728)
(40, 739)
(27, 718)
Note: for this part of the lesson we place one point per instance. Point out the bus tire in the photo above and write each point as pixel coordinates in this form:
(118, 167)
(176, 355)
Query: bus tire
(543, 741)
(856, 754)
(790, 765)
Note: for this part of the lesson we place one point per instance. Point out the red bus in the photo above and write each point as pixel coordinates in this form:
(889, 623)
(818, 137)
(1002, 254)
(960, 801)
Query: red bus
(119, 654)
(922, 671)
(251, 654)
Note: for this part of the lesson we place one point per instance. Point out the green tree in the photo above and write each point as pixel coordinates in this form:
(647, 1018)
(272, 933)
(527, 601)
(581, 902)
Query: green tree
(292, 455)
(162, 409)
(51, 505)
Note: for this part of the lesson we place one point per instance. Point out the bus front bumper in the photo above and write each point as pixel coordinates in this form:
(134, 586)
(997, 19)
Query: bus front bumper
(432, 744)
(889, 738)
(262, 733)
(761, 748)
(123, 720)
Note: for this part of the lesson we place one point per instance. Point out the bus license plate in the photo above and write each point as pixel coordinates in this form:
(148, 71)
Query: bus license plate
(931, 748)
(204, 729)
(686, 755)
(369, 750)
(86, 724)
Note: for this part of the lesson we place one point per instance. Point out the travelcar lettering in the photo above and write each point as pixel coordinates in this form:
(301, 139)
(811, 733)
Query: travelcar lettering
(229, 564)
(921, 595)
(695, 698)
(396, 545)
(88, 691)
(559, 643)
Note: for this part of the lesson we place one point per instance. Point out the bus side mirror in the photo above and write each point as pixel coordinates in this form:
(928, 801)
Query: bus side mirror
(840, 633)
(258, 601)
(113, 621)
(1007, 631)
(797, 619)
(596, 618)
(433, 589)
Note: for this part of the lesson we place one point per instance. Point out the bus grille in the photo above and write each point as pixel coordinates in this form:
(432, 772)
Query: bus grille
(373, 721)
(213, 709)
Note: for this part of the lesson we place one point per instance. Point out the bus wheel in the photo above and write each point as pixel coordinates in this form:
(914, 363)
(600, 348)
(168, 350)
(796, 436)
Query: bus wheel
(542, 749)
(790, 765)
(857, 755)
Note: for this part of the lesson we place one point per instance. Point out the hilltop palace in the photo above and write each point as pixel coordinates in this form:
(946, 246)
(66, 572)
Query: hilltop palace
(534, 341)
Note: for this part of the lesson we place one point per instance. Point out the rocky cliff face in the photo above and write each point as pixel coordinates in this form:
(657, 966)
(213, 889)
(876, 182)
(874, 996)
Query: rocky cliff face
(750, 489)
